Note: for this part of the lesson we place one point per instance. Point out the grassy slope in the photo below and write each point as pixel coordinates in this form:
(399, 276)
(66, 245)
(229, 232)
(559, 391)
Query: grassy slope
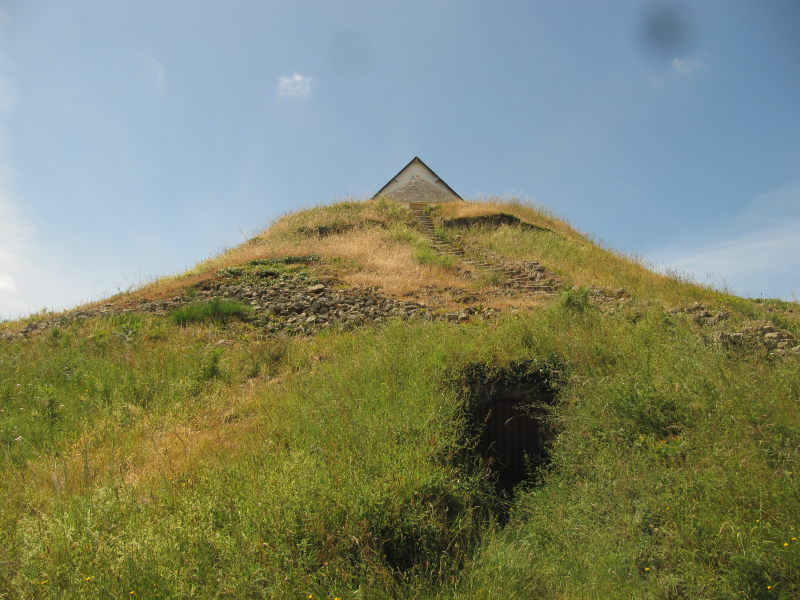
(211, 461)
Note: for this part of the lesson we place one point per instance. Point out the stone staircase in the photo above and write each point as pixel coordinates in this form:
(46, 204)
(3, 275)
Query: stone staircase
(532, 278)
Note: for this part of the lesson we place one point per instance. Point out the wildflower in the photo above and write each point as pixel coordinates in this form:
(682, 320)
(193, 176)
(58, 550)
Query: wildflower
(43, 582)
(794, 539)
(133, 593)
(785, 544)
(88, 578)
(647, 568)
(769, 587)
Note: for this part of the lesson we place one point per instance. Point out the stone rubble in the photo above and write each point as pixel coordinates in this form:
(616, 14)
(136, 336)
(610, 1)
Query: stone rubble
(777, 341)
(701, 314)
(292, 305)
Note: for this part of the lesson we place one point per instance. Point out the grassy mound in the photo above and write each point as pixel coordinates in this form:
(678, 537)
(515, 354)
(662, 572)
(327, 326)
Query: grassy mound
(151, 456)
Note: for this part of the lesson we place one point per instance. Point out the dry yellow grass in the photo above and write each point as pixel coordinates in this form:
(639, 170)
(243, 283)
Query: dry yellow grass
(537, 215)
(364, 257)
(368, 253)
(362, 247)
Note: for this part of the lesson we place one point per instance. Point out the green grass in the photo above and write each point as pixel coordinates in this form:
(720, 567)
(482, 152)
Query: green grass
(575, 299)
(673, 471)
(423, 251)
(174, 458)
(216, 310)
(426, 255)
(577, 261)
(488, 278)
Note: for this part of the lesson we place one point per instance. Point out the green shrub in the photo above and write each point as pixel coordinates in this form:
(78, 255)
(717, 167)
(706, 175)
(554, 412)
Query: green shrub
(488, 278)
(405, 234)
(210, 368)
(575, 299)
(286, 260)
(216, 310)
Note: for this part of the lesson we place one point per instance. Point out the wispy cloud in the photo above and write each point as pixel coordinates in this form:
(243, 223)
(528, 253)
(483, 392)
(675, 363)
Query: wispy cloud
(14, 240)
(294, 86)
(687, 66)
(13, 230)
(7, 282)
(16, 271)
(156, 73)
(761, 259)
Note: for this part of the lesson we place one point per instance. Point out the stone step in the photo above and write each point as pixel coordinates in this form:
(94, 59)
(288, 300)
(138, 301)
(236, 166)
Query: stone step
(514, 277)
(536, 288)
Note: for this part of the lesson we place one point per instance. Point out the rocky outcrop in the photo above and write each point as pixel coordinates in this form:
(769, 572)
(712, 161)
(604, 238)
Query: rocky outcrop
(765, 335)
(779, 341)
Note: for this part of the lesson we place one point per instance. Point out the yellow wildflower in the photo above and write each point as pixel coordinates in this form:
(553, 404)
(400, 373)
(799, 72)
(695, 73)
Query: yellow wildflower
(785, 544)
(88, 578)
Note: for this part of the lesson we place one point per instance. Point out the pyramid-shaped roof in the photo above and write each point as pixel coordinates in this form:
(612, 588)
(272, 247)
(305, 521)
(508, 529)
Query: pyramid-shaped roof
(417, 182)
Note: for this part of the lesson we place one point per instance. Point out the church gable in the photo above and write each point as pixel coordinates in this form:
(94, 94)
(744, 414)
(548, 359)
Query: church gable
(416, 182)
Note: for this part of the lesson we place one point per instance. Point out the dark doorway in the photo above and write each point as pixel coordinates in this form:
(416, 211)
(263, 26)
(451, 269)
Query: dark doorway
(511, 441)
(512, 407)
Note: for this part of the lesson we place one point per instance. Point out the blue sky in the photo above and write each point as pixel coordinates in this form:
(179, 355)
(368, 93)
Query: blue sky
(139, 137)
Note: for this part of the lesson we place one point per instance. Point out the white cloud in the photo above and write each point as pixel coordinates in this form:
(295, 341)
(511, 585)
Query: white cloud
(687, 66)
(31, 277)
(294, 86)
(30, 274)
(762, 257)
(157, 74)
(7, 282)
